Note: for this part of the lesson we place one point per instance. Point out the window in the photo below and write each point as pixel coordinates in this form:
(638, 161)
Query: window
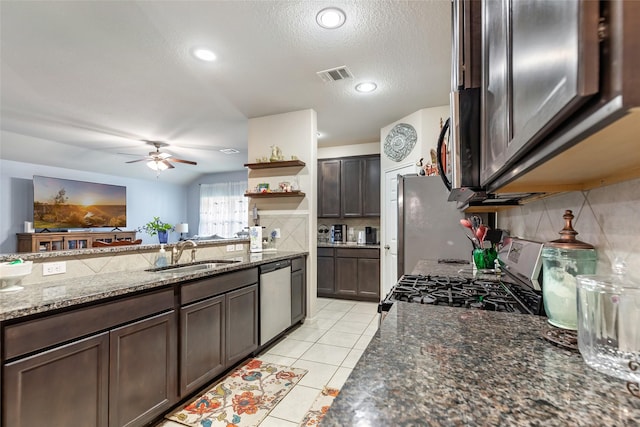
(223, 209)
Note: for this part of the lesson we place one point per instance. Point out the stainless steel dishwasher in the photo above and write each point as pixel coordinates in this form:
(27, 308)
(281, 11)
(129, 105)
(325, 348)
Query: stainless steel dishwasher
(275, 299)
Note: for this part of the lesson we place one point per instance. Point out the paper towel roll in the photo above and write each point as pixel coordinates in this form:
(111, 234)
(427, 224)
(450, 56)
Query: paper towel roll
(28, 227)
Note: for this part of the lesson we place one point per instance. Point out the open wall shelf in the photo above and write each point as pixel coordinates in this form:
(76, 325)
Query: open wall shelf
(278, 164)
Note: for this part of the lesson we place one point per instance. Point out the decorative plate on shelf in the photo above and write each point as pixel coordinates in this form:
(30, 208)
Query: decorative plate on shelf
(400, 141)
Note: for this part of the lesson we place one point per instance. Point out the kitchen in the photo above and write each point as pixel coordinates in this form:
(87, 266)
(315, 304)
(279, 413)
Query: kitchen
(601, 211)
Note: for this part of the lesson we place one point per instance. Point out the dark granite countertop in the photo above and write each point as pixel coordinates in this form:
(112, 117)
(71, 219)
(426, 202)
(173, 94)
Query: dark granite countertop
(446, 366)
(42, 297)
(348, 245)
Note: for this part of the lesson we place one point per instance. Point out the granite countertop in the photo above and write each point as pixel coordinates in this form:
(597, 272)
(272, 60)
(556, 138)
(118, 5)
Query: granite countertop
(42, 297)
(446, 366)
(348, 245)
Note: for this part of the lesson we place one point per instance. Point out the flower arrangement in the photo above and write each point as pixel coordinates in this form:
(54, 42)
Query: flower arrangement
(154, 226)
(483, 258)
(478, 230)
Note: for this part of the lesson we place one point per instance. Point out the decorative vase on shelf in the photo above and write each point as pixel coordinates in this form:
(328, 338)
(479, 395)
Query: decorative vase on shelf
(484, 258)
(163, 236)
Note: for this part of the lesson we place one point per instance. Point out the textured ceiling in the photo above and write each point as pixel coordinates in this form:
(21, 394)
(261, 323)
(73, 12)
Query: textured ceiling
(82, 81)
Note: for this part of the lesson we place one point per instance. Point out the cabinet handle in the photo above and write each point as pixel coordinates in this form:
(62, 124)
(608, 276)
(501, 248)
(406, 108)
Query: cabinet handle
(387, 247)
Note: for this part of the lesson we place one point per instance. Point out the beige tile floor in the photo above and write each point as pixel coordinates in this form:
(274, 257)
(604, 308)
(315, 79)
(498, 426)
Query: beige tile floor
(327, 346)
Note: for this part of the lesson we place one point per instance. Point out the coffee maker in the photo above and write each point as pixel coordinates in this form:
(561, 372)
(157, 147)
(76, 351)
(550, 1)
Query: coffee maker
(371, 235)
(338, 233)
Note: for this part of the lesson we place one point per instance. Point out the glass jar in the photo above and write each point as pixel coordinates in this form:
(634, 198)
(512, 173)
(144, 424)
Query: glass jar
(562, 261)
(608, 325)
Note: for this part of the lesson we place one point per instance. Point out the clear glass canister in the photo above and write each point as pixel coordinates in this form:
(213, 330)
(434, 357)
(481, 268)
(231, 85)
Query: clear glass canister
(562, 261)
(609, 325)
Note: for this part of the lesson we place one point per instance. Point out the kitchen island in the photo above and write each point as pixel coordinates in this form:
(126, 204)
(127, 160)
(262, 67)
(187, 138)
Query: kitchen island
(446, 366)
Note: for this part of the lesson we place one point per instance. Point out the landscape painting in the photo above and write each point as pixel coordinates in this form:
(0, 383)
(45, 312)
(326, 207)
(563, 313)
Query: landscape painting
(63, 204)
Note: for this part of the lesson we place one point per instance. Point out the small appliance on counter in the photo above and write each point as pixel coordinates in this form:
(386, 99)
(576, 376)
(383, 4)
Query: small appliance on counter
(371, 235)
(562, 261)
(323, 233)
(338, 233)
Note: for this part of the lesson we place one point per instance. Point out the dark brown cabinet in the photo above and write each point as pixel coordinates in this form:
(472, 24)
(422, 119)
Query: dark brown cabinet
(329, 189)
(355, 273)
(202, 329)
(349, 187)
(143, 370)
(241, 323)
(298, 290)
(326, 272)
(218, 325)
(64, 386)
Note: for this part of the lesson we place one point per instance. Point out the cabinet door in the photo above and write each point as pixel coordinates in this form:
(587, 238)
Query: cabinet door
(351, 187)
(65, 386)
(298, 293)
(241, 323)
(347, 276)
(371, 190)
(369, 278)
(202, 343)
(143, 371)
(326, 276)
(329, 188)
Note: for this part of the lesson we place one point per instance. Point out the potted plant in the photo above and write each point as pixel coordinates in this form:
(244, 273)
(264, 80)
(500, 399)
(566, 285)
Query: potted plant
(156, 226)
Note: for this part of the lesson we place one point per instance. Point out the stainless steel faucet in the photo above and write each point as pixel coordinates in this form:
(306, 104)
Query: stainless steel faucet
(177, 250)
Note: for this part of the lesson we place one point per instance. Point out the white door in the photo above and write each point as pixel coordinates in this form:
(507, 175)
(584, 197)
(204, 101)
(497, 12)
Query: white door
(390, 226)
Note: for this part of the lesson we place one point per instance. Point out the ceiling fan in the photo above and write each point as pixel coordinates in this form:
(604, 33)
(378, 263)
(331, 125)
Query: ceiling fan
(158, 160)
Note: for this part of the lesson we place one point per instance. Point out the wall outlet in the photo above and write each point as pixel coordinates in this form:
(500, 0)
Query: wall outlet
(49, 268)
(239, 246)
(230, 248)
(277, 233)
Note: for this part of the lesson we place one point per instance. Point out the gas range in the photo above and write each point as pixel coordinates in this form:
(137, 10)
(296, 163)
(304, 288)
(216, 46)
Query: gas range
(517, 291)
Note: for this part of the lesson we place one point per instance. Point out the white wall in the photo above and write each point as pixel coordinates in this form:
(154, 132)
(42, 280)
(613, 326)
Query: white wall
(296, 134)
(349, 150)
(145, 199)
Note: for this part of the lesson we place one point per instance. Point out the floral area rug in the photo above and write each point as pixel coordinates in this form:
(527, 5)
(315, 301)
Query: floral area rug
(242, 399)
(319, 407)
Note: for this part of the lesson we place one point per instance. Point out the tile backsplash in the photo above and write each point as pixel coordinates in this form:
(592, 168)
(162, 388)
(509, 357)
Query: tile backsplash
(606, 217)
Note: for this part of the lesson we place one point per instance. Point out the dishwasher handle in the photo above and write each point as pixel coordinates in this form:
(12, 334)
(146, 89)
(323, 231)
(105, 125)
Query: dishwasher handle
(273, 266)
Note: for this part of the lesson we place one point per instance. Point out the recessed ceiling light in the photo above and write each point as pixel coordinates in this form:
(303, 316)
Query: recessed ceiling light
(366, 87)
(204, 54)
(229, 151)
(330, 17)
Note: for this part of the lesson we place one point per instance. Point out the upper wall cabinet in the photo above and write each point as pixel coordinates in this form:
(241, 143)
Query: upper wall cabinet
(349, 187)
(540, 64)
(560, 94)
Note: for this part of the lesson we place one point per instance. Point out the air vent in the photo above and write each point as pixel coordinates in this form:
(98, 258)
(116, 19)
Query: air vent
(335, 74)
(229, 151)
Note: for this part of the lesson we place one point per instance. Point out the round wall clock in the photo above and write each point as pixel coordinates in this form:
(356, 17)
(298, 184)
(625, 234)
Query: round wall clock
(400, 141)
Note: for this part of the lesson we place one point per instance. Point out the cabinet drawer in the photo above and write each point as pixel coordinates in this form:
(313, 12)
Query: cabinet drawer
(357, 253)
(41, 333)
(325, 251)
(297, 264)
(200, 289)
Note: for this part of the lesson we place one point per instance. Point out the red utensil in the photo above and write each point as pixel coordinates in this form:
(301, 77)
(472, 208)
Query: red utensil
(466, 223)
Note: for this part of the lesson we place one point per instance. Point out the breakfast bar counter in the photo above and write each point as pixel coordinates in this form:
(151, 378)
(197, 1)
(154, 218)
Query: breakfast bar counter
(445, 366)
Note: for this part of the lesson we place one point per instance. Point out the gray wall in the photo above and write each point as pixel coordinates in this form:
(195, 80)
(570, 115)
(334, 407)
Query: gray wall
(145, 199)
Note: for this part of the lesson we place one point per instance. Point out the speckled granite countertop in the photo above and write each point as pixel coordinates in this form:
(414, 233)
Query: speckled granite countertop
(39, 298)
(347, 245)
(446, 366)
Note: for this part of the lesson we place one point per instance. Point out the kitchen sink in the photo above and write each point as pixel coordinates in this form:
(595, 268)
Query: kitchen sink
(193, 267)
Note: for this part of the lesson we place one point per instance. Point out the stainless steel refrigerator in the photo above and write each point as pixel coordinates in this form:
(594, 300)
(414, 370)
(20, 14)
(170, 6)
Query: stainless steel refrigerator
(428, 225)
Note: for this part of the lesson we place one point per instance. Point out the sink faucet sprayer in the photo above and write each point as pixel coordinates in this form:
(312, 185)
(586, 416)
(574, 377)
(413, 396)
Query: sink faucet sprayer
(177, 250)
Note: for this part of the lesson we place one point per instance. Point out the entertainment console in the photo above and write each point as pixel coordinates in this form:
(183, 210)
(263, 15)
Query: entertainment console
(55, 241)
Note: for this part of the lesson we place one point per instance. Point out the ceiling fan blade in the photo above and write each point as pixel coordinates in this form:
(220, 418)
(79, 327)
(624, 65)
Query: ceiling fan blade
(173, 159)
(169, 165)
(136, 161)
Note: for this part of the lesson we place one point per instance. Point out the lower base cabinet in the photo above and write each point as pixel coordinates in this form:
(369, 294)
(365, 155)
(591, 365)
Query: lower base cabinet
(65, 386)
(352, 273)
(298, 290)
(143, 370)
(242, 323)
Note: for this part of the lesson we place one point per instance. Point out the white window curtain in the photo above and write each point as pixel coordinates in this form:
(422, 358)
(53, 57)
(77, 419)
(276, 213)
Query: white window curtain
(223, 209)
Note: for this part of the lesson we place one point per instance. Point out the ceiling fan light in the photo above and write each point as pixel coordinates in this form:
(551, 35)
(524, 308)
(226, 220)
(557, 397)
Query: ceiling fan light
(157, 165)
